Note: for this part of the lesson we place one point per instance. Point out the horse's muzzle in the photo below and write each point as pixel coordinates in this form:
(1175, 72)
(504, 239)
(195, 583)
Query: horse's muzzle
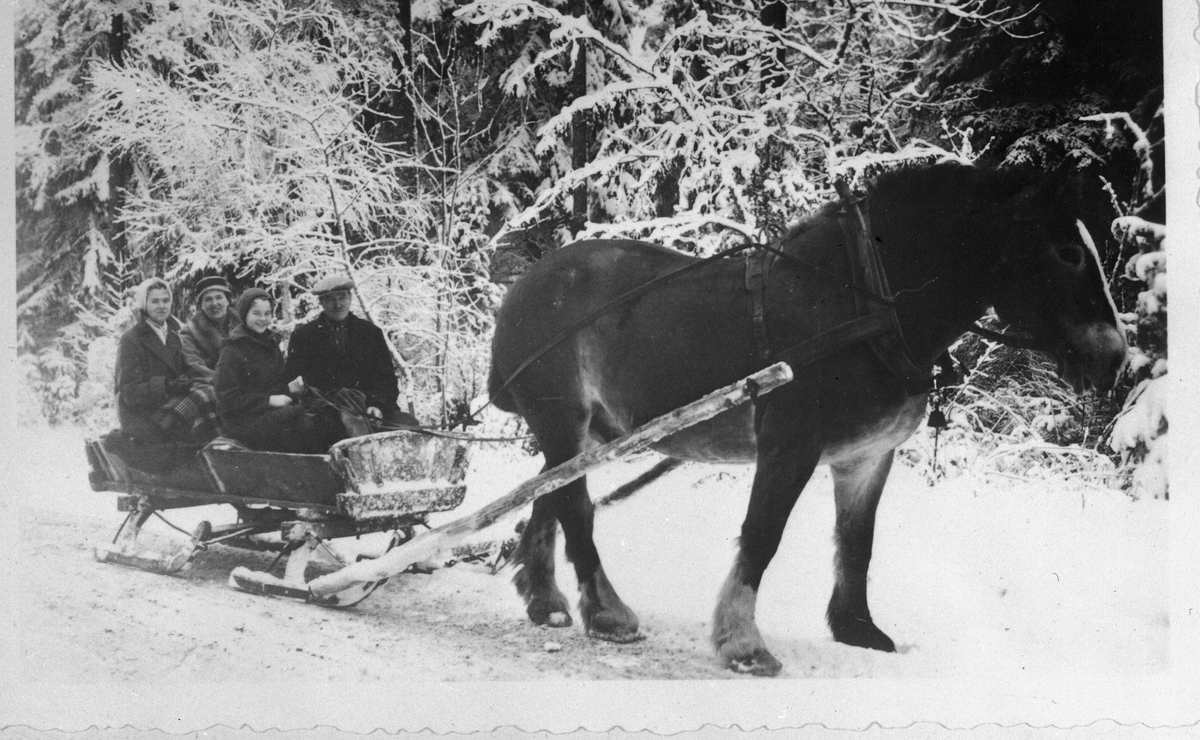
(1093, 357)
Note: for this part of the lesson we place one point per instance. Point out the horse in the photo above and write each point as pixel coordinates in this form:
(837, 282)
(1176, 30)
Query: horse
(950, 240)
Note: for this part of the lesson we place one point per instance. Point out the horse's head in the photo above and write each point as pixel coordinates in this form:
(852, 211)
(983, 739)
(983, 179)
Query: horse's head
(1050, 285)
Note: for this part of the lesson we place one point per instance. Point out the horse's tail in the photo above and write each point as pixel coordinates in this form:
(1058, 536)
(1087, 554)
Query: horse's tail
(497, 391)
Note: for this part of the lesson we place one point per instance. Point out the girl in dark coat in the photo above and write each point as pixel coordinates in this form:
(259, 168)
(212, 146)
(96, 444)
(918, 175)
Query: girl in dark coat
(151, 385)
(255, 399)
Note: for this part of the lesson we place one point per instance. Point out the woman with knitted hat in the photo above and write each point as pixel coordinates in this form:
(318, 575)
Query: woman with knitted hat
(255, 398)
(150, 382)
(209, 325)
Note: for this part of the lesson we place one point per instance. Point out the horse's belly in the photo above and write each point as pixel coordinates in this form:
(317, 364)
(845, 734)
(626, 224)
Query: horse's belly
(870, 441)
(727, 437)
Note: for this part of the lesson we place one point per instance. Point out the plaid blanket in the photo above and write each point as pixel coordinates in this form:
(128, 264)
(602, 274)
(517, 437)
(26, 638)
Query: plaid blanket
(198, 411)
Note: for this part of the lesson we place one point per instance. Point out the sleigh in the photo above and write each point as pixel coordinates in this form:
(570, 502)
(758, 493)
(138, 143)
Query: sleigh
(297, 505)
(289, 503)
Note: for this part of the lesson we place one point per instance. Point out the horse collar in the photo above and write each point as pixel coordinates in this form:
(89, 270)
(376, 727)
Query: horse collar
(889, 345)
(877, 323)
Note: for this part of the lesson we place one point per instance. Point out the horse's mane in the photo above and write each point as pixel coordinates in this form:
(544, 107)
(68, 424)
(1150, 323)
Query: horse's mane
(917, 186)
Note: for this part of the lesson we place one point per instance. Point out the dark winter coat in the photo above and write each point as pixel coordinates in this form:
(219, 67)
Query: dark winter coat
(148, 375)
(365, 364)
(250, 370)
(202, 338)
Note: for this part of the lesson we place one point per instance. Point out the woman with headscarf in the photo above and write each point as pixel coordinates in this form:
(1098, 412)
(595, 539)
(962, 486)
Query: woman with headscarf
(257, 402)
(152, 387)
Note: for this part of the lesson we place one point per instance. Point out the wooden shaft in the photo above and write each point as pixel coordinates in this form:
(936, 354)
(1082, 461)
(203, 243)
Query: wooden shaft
(435, 542)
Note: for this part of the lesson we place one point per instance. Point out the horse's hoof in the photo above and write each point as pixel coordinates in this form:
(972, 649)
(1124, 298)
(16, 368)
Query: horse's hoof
(620, 625)
(621, 638)
(548, 613)
(759, 663)
(864, 634)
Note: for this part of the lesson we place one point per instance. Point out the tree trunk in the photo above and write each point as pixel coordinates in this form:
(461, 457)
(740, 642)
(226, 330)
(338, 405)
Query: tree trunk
(117, 38)
(774, 15)
(579, 126)
(666, 195)
(121, 170)
(404, 107)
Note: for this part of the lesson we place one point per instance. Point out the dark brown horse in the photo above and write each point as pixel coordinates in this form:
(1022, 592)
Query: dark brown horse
(952, 241)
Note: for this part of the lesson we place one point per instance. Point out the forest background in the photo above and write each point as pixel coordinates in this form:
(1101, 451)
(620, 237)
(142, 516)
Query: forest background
(435, 149)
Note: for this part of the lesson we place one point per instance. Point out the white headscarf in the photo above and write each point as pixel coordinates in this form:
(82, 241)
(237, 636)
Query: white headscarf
(141, 294)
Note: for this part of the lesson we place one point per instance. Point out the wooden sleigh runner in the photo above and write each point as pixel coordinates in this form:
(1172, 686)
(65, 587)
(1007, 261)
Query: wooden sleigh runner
(381, 482)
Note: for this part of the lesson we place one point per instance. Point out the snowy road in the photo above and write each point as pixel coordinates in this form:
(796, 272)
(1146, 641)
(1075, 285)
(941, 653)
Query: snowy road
(969, 577)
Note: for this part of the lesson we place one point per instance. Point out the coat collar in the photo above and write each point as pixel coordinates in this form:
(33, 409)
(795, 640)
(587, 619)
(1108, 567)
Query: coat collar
(200, 322)
(173, 325)
(168, 352)
(209, 333)
(267, 339)
(325, 322)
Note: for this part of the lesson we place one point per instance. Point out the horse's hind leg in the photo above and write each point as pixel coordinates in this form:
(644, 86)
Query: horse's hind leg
(544, 603)
(604, 614)
(856, 490)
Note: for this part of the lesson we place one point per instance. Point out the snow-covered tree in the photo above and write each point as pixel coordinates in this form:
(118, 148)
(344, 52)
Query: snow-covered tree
(718, 118)
(245, 130)
(1140, 430)
(428, 147)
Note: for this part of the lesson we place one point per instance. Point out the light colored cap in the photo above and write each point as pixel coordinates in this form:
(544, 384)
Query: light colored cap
(332, 284)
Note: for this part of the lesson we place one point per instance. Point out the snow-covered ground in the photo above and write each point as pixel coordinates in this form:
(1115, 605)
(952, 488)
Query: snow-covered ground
(968, 575)
(971, 577)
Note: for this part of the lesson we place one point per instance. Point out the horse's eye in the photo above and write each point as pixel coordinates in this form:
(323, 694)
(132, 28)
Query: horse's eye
(1071, 255)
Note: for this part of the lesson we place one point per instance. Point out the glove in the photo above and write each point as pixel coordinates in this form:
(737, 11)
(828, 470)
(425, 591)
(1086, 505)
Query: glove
(178, 386)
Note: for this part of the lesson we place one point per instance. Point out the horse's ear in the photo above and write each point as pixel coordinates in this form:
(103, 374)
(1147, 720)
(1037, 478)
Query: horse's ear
(1055, 187)
(1024, 204)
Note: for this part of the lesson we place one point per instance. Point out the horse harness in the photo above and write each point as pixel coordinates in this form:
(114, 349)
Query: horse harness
(876, 324)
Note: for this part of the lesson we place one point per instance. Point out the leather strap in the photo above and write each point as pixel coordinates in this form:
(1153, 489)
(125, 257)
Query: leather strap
(755, 285)
(862, 329)
(867, 271)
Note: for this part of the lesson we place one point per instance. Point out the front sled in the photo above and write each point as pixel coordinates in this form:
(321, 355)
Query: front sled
(381, 482)
(305, 546)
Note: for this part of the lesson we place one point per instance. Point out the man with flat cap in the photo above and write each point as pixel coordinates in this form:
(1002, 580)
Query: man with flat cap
(338, 350)
(209, 325)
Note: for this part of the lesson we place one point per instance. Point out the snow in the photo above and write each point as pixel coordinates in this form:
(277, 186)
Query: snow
(966, 577)
(969, 576)
(1143, 424)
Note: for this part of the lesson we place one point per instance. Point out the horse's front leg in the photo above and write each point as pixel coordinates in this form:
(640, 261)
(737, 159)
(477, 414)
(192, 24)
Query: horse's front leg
(857, 487)
(786, 460)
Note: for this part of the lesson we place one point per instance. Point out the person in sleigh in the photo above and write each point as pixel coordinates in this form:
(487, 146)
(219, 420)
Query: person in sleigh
(157, 402)
(346, 360)
(257, 397)
(209, 326)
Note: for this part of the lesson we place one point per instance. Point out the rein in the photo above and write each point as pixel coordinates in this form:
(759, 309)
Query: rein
(432, 430)
(877, 324)
(1012, 340)
(619, 300)
(644, 287)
